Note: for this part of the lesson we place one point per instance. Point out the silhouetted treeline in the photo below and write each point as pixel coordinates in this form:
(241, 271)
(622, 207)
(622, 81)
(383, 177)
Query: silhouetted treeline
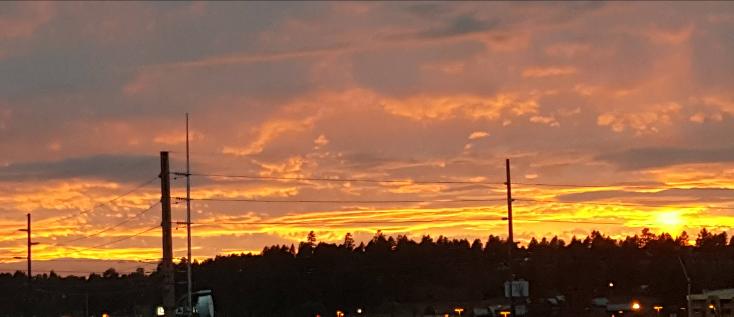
(321, 277)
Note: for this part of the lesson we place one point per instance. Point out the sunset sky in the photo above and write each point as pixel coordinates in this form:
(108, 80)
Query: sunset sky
(634, 101)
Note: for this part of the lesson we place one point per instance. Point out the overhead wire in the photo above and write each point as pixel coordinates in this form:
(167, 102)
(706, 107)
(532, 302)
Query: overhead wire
(341, 201)
(388, 222)
(149, 208)
(118, 197)
(127, 237)
(408, 181)
(623, 204)
(355, 180)
(578, 185)
(118, 240)
(59, 271)
(365, 180)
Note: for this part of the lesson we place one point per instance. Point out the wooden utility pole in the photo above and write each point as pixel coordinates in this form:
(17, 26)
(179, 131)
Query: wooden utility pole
(688, 280)
(86, 304)
(169, 296)
(29, 272)
(189, 307)
(28, 230)
(510, 240)
(29, 245)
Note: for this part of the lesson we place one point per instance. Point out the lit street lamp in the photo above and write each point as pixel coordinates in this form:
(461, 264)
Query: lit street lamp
(459, 310)
(657, 309)
(635, 306)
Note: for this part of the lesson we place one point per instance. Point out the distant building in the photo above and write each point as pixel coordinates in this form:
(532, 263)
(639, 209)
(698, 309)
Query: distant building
(623, 306)
(714, 303)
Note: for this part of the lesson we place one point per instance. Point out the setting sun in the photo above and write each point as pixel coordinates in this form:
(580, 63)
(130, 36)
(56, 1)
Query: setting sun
(669, 221)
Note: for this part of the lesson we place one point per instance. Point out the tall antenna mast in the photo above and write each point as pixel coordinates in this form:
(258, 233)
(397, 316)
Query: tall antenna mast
(188, 221)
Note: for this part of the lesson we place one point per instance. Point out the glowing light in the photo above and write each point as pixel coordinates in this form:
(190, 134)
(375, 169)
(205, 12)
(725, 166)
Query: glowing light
(669, 219)
(635, 306)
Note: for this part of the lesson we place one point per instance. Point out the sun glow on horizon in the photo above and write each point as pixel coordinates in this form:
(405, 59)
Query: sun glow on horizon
(670, 221)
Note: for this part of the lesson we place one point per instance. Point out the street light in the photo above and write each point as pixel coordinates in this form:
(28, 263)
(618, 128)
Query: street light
(635, 306)
(459, 310)
(657, 309)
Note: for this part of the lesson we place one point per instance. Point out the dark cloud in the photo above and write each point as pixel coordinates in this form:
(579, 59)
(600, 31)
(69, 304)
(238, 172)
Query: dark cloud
(643, 158)
(459, 25)
(428, 10)
(109, 167)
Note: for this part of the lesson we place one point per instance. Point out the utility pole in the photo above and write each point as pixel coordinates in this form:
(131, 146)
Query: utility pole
(28, 230)
(169, 296)
(510, 240)
(688, 280)
(86, 304)
(29, 272)
(188, 221)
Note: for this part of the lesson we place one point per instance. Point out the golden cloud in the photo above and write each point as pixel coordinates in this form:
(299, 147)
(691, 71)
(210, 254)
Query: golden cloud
(478, 135)
(426, 107)
(540, 72)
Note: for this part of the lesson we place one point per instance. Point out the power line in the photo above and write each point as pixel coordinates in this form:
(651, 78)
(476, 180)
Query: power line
(141, 185)
(119, 240)
(622, 204)
(342, 201)
(110, 227)
(574, 185)
(61, 271)
(127, 237)
(572, 221)
(403, 181)
(359, 180)
(389, 222)
(89, 260)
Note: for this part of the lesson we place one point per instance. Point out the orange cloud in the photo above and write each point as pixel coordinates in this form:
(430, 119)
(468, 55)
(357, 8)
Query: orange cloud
(567, 50)
(547, 120)
(424, 107)
(173, 138)
(248, 58)
(478, 135)
(649, 121)
(267, 132)
(672, 37)
(540, 72)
